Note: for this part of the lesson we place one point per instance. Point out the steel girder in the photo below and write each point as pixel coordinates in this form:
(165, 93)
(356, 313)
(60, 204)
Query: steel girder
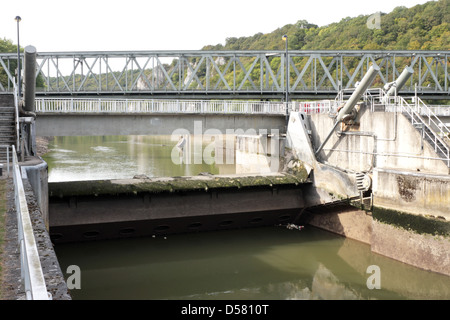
(258, 74)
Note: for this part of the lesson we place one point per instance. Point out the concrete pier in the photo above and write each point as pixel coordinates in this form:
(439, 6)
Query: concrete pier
(407, 184)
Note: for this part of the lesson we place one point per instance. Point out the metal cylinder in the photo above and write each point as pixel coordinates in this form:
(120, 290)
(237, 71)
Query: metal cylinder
(354, 98)
(29, 81)
(401, 81)
(359, 91)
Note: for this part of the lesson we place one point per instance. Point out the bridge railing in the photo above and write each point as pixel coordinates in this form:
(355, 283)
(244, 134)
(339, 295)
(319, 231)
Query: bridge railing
(74, 105)
(31, 270)
(313, 107)
(227, 73)
(439, 111)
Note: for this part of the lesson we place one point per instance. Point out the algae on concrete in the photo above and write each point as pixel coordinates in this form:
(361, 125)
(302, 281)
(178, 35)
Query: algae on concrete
(411, 222)
(171, 184)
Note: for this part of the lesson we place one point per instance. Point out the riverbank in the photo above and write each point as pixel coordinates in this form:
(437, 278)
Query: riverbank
(42, 145)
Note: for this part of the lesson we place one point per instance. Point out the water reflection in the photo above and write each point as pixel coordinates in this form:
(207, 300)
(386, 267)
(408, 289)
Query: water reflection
(263, 263)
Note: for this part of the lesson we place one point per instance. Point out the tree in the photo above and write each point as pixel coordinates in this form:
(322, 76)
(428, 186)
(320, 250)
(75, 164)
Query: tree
(7, 46)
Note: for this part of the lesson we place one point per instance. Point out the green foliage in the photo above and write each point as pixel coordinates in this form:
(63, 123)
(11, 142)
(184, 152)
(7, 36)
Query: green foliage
(422, 27)
(7, 46)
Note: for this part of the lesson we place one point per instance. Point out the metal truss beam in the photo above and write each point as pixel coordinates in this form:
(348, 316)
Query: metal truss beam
(238, 74)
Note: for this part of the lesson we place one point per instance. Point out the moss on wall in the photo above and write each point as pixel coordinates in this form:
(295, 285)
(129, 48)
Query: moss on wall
(173, 184)
(417, 223)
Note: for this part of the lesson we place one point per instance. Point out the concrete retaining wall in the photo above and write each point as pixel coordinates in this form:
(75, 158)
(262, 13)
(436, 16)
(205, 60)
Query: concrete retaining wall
(425, 245)
(412, 192)
(151, 124)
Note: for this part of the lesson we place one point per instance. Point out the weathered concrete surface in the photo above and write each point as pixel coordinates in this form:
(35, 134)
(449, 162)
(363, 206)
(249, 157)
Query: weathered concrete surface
(175, 184)
(378, 139)
(328, 179)
(418, 241)
(413, 192)
(349, 222)
(426, 251)
(147, 124)
(405, 178)
(393, 278)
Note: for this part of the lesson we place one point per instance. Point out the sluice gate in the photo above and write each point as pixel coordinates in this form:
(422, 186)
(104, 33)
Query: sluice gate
(93, 210)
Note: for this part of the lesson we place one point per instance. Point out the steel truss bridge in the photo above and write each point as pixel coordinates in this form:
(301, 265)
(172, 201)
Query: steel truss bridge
(229, 74)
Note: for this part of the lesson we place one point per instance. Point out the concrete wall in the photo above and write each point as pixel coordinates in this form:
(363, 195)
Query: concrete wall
(381, 139)
(415, 193)
(422, 250)
(259, 153)
(35, 171)
(162, 124)
(423, 244)
(391, 151)
(409, 218)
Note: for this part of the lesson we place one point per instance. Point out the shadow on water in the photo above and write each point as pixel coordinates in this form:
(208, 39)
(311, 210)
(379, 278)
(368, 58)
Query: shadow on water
(249, 264)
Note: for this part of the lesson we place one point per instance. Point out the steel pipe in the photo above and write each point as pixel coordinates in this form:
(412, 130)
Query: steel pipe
(29, 83)
(398, 84)
(354, 98)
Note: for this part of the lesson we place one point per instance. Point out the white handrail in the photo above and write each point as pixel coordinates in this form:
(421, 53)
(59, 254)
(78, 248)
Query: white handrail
(417, 119)
(432, 118)
(72, 105)
(31, 270)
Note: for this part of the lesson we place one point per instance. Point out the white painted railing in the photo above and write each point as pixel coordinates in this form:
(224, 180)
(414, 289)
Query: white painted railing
(31, 270)
(440, 111)
(79, 105)
(74, 105)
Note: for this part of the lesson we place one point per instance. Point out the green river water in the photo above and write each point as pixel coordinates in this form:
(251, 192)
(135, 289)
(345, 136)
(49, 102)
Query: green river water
(245, 264)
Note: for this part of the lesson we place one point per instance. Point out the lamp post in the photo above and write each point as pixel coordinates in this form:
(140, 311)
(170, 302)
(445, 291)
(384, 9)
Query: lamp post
(285, 38)
(18, 56)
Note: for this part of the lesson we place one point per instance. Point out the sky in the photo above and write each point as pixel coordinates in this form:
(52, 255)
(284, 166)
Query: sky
(130, 25)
